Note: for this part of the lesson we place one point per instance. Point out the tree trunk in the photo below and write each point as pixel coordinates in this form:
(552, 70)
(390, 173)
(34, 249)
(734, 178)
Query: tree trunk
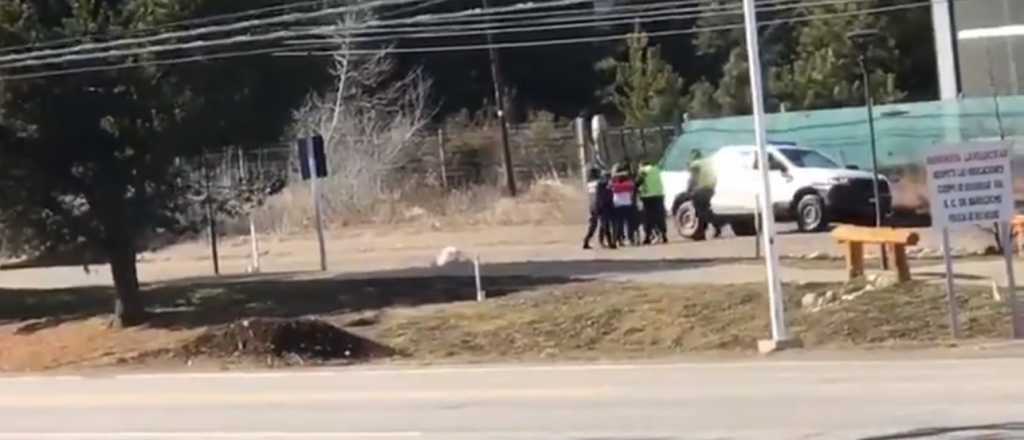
(128, 310)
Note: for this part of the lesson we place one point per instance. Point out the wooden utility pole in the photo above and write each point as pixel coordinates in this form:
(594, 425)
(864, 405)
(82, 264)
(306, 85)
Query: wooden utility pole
(211, 216)
(499, 102)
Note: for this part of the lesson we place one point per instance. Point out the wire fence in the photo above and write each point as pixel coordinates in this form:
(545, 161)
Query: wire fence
(445, 157)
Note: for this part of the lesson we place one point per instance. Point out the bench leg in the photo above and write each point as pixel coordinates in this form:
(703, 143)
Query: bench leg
(902, 265)
(854, 259)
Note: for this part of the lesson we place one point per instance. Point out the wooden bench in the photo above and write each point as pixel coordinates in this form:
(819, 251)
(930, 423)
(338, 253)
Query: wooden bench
(854, 237)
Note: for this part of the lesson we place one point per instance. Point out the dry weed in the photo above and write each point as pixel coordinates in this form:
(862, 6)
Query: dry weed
(544, 202)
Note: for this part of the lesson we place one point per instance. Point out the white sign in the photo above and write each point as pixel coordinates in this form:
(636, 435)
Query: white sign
(971, 184)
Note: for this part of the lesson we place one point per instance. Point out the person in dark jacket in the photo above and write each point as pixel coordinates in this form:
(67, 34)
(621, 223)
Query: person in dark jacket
(600, 195)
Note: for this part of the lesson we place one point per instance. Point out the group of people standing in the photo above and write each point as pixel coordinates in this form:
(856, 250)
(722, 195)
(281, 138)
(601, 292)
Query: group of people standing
(622, 202)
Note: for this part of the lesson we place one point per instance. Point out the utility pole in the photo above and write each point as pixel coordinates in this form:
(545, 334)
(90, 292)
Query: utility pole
(499, 102)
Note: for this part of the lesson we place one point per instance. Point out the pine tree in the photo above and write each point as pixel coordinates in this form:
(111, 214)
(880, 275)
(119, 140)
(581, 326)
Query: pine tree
(824, 71)
(645, 88)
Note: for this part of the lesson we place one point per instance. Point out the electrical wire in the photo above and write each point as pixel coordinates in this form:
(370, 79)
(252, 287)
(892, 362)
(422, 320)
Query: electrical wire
(280, 19)
(694, 12)
(278, 35)
(255, 12)
(605, 38)
(488, 14)
(142, 31)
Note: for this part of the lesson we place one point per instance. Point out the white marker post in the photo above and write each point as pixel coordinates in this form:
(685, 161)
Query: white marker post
(255, 244)
(780, 337)
(972, 184)
(254, 266)
(481, 295)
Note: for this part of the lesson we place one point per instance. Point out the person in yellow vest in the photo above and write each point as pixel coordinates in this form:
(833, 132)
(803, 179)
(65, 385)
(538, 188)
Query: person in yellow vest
(652, 195)
(702, 189)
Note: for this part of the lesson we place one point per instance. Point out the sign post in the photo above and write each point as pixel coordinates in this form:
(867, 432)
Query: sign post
(313, 165)
(972, 184)
(1011, 280)
(954, 307)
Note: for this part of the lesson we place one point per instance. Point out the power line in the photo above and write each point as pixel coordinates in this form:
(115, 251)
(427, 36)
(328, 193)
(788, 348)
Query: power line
(200, 21)
(523, 44)
(189, 22)
(470, 15)
(277, 50)
(589, 21)
(280, 19)
(278, 35)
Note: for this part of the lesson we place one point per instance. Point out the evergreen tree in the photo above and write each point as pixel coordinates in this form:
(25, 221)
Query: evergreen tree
(645, 89)
(92, 157)
(825, 72)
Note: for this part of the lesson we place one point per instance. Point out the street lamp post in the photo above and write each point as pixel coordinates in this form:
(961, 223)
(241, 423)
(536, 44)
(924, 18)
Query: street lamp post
(861, 41)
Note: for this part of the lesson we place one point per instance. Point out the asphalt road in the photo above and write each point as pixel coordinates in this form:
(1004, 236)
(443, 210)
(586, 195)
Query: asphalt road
(750, 400)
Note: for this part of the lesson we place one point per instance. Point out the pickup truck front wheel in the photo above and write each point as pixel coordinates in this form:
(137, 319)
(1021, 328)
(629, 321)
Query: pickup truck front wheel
(810, 214)
(689, 221)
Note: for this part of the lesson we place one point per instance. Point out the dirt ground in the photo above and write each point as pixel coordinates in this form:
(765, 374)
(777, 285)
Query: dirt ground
(552, 300)
(435, 320)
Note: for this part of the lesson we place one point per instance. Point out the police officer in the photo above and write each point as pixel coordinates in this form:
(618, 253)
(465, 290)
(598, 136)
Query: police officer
(600, 195)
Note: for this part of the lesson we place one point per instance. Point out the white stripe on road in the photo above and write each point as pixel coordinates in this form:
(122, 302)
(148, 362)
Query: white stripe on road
(203, 435)
(298, 374)
(41, 378)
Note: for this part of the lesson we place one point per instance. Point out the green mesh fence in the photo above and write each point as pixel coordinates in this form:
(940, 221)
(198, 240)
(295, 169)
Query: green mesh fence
(903, 132)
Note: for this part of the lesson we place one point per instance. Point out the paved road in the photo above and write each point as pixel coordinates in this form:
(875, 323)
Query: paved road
(780, 399)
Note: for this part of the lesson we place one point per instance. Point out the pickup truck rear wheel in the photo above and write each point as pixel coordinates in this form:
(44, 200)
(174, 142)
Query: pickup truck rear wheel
(810, 213)
(689, 223)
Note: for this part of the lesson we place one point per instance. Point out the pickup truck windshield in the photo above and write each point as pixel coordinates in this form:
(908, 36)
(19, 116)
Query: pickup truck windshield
(808, 158)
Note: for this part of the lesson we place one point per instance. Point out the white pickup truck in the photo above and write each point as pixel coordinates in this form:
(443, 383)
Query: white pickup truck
(807, 187)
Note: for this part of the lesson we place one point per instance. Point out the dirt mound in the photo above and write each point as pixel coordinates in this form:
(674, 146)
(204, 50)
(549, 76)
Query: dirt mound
(305, 338)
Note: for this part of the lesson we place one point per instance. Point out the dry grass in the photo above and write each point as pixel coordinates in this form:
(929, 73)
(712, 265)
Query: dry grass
(429, 320)
(611, 320)
(544, 202)
(81, 344)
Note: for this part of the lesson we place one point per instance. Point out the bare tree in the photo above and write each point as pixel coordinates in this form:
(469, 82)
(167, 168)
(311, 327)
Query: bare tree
(369, 119)
(994, 88)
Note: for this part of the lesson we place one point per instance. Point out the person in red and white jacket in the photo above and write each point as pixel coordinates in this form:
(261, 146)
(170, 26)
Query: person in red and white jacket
(623, 205)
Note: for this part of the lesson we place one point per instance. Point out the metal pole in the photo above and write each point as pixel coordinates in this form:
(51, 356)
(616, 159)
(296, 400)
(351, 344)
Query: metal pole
(775, 293)
(581, 139)
(442, 157)
(643, 142)
(622, 144)
(954, 308)
(1011, 281)
(211, 218)
(316, 205)
(499, 101)
(874, 154)
(757, 226)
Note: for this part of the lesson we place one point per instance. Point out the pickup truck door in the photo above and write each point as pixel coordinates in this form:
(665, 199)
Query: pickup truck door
(782, 181)
(734, 193)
